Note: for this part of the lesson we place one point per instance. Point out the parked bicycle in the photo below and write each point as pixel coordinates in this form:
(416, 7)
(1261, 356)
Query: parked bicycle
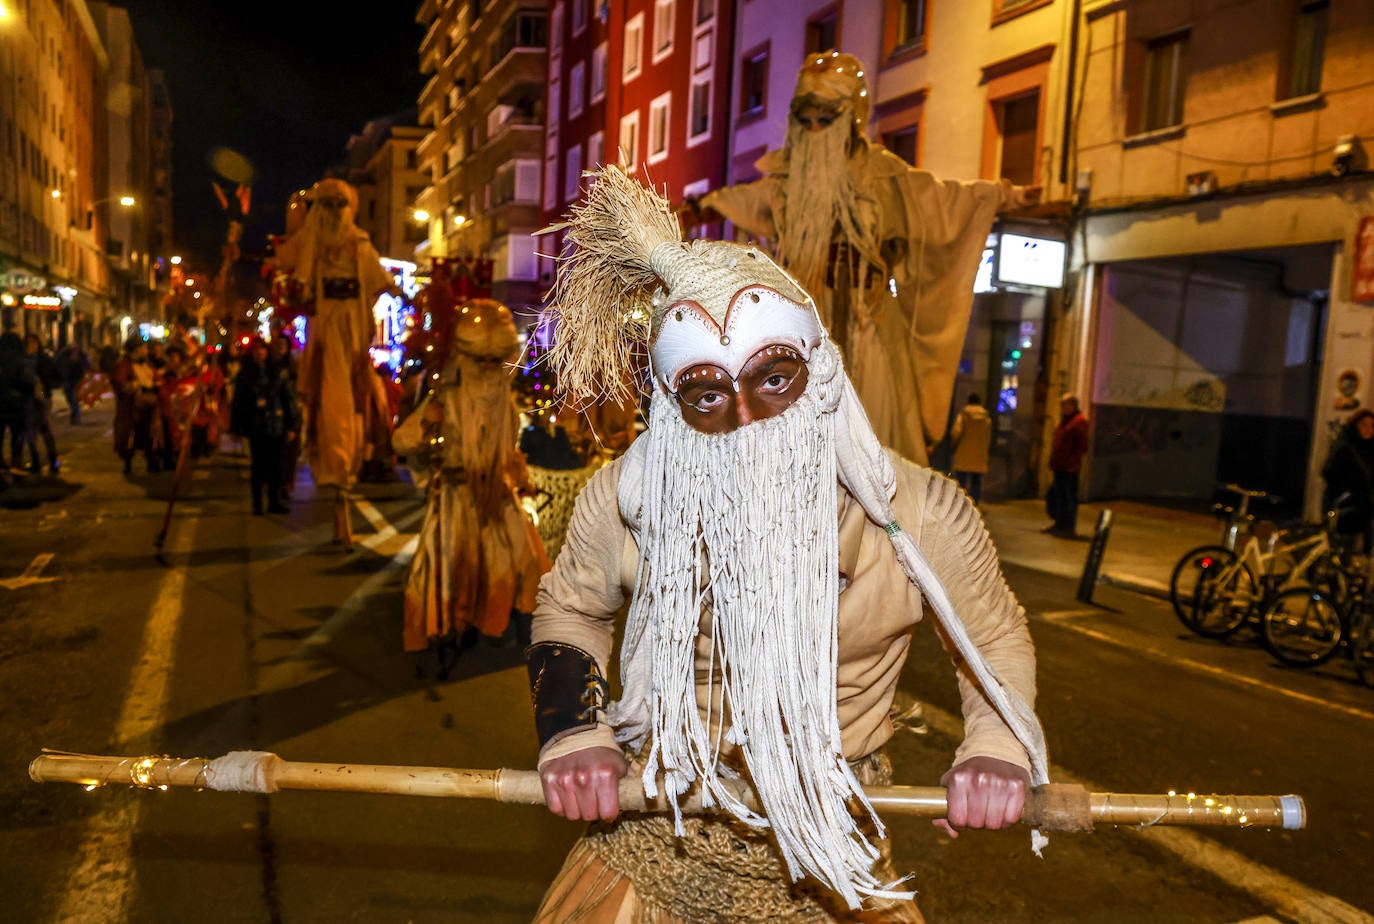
(1215, 590)
(1306, 626)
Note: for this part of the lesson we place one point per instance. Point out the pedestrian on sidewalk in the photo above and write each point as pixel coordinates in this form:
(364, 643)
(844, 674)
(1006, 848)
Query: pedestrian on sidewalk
(1067, 448)
(720, 532)
(972, 439)
(137, 425)
(283, 350)
(264, 413)
(72, 365)
(1349, 476)
(16, 390)
(38, 421)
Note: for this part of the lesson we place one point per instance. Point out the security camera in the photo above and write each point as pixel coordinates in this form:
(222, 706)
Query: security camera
(1347, 156)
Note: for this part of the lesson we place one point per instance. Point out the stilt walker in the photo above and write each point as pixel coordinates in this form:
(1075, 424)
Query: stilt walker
(334, 260)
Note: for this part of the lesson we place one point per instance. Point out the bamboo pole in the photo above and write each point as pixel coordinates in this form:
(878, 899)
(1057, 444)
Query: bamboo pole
(1053, 807)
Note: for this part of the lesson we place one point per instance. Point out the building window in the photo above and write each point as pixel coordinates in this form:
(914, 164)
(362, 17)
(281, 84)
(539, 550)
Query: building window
(904, 27)
(753, 84)
(572, 176)
(699, 118)
(1002, 10)
(634, 47)
(706, 9)
(577, 79)
(556, 31)
(579, 16)
(822, 32)
(665, 11)
(555, 105)
(701, 49)
(1301, 72)
(1164, 80)
(596, 150)
(598, 75)
(1018, 128)
(903, 143)
(660, 113)
(629, 141)
(550, 183)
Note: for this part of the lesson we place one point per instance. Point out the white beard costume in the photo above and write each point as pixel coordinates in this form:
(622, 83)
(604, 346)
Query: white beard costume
(739, 543)
(738, 533)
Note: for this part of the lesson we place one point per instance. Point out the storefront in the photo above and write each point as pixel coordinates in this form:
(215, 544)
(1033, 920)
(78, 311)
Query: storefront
(1219, 342)
(1018, 283)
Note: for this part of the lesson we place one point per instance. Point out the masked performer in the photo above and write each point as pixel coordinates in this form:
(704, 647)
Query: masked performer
(775, 559)
(479, 558)
(334, 260)
(889, 252)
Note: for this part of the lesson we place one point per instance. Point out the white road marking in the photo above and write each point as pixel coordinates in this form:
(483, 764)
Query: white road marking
(352, 606)
(1064, 619)
(102, 882)
(1286, 896)
(370, 512)
(31, 573)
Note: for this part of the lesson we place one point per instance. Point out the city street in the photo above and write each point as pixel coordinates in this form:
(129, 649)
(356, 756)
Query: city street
(258, 632)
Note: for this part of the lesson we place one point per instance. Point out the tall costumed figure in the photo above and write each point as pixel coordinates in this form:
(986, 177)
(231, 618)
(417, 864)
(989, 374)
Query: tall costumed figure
(479, 558)
(888, 251)
(333, 260)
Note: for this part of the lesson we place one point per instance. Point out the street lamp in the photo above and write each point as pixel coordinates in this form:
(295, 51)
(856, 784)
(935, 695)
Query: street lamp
(125, 201)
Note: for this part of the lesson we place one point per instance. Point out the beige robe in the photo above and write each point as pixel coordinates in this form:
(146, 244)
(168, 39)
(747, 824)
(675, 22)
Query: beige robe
(479, 555)
(336, 371)
(593, 577)
(902, 350)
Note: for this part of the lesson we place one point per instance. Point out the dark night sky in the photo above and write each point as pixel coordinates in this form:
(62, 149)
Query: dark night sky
(284, 84)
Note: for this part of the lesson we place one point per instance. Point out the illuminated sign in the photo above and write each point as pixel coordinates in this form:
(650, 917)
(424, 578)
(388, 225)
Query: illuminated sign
(1030, 261)
(42, 302)
(982, 282)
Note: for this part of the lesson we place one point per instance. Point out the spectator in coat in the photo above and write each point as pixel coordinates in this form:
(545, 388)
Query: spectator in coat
(16, 388)
(972, 438)
(43, 368)
(137, 424)
(72, 366)
(1349, 476)
(264, 413)
(1067, 448)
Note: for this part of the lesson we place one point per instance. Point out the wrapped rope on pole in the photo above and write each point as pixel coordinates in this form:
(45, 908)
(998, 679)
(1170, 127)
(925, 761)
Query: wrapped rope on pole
(1053, 806)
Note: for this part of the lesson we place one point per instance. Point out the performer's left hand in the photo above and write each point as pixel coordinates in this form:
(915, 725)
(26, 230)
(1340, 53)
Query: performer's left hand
(584, 785)
(984, 792)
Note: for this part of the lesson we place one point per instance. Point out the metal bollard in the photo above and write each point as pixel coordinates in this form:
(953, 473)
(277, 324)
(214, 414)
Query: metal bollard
(1096, 549)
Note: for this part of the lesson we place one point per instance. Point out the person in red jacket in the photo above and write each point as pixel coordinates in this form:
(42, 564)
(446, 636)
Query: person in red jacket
(1069, 445)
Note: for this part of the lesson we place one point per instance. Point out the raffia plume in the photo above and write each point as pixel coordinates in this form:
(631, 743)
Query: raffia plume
(600, 306)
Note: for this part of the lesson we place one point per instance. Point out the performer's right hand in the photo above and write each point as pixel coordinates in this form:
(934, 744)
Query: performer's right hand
(585, 785)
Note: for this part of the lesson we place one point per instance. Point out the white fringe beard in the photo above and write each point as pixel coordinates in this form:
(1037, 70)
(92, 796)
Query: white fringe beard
(739, 548)
(821, 193)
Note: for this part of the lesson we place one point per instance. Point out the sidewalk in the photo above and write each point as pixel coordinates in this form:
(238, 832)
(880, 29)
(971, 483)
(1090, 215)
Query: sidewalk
(1143, 545)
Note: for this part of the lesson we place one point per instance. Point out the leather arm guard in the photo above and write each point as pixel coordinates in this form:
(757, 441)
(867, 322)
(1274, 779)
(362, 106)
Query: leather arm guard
(566, 689)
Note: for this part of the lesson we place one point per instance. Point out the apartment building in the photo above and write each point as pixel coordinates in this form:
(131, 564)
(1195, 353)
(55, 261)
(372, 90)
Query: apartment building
(385, 170)
(128, 237)
(483, 109)
(644, 83)
(52, 71)
(1221, 328)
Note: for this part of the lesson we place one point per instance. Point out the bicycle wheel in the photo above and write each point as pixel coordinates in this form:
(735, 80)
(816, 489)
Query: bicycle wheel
(1326, 575)
(1362, 646)
(1190, 569)
(1225, 594)
(1301, 627)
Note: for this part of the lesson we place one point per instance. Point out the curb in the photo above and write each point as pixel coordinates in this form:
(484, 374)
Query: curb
(1136, 585)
